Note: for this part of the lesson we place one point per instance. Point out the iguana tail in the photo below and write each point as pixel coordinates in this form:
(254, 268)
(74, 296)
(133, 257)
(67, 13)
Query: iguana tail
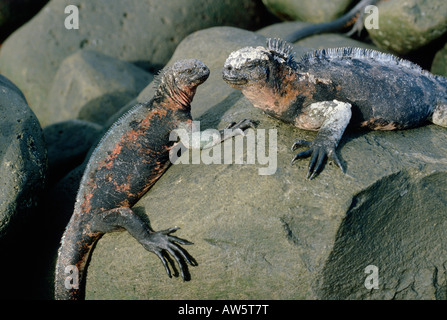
(343, 22)
(73, 255)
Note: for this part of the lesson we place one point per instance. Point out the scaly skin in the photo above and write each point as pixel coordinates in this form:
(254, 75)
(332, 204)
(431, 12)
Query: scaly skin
(329, 89)
(128, 160)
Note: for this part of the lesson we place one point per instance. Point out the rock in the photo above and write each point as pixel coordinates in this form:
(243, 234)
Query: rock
(68, 143)
(308, 10)
(439, 65)
(23, 175)
(23, 158)
(280, 236)
(13, 13)
(398, 225)
(141, 32)
(406, 25)
(91, 86)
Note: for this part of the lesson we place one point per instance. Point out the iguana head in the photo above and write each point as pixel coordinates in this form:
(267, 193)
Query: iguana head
(180, 81)
(247, 66)
(263, 74)
(189, 73)
(251, 65)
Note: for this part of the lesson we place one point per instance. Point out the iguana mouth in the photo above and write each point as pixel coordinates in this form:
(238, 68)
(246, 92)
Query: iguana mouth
(202, 78)
(234, 81)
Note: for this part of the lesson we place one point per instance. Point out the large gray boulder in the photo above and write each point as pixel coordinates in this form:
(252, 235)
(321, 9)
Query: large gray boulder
(23, 178)
(307, 10)
(143, 32)
(280, 236)
(23, 158)
(91, 86)
(407, 25)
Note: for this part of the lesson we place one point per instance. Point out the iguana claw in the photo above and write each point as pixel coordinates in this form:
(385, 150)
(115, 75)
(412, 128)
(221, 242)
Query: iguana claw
(162, 242)
(243, 125)
(319, 153)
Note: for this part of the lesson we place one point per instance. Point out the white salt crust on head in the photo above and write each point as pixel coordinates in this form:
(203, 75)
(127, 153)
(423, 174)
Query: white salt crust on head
(240, 57)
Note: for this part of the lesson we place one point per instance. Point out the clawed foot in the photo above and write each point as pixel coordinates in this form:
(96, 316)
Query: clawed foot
(164, 245)
(319, 153)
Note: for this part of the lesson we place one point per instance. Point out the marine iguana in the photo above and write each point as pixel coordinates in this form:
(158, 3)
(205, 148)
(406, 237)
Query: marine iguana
(128, 160)
(353, 17)
(328, 89)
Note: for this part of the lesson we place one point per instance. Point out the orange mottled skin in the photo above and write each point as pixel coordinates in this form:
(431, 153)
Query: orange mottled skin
(128, 160)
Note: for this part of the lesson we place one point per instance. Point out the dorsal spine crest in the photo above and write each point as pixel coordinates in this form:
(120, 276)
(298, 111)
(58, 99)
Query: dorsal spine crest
(361, 53)
(282, 51)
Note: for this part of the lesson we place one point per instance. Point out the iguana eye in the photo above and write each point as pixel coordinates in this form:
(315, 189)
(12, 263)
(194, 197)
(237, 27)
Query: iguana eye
(250, 66)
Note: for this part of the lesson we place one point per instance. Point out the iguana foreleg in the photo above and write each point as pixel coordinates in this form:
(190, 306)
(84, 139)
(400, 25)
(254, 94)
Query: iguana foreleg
(161, 243)
(199, 141)
(332, 118)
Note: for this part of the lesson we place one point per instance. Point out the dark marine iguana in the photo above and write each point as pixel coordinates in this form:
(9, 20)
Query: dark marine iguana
(328, 89)
(128, 160)
(353, 18)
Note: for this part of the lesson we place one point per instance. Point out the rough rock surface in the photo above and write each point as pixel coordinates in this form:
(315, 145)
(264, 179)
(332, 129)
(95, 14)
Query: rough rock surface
(406, 25)
(280, 236)
(143, 32)
(308, 10)
(23, 157)
(91, 86)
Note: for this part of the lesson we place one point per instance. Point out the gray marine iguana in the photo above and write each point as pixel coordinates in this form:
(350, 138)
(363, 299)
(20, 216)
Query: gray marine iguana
(353, 18)
(128, 160)
(328, 89)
